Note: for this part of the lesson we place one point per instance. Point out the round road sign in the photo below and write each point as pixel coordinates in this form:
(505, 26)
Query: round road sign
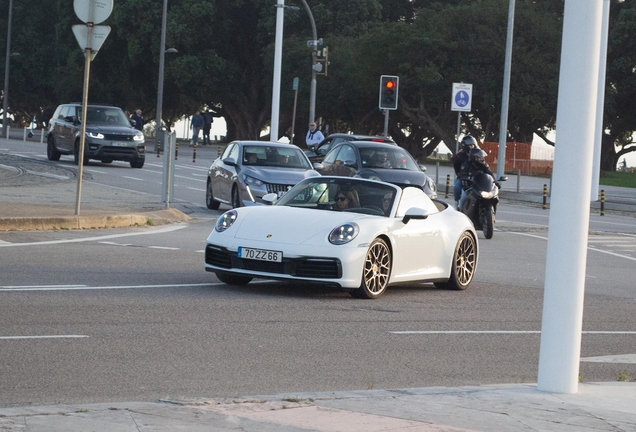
(95, 11)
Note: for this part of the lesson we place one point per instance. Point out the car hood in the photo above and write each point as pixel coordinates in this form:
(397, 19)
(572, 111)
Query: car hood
(397, 176)
(279, 175)
(120, 130)
(290, 225)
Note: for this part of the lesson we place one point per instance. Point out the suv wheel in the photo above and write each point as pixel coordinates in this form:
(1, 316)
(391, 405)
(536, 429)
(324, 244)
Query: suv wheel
(76, 154)
(137, 163)
(51, 151)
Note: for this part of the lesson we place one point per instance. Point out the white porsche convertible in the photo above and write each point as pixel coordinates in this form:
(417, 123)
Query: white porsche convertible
(361, 235)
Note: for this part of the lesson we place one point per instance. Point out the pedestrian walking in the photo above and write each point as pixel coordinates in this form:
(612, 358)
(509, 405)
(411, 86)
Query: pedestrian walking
(314, 136)
(196, 125)
(207, 126)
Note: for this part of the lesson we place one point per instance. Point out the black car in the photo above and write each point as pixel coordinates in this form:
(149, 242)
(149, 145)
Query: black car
(109, 135)
(316, 153)
(376, 161)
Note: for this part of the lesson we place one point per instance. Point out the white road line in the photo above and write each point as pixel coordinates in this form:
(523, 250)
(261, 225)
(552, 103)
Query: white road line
(43, 286)
(97, 171)
(115, 244)
(196, 189)
(162, 247)
(133, 178)
(199, 175)
(189, 178)
(503, 332)
(43, 337)
(589, 248)
(87, 239)
(87, 288)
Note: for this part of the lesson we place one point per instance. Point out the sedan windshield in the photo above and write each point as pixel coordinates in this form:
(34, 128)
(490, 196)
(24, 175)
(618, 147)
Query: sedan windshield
(342, 194)
(271, 156)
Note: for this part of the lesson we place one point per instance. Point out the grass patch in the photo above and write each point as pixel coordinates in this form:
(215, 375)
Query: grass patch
(615, 178)
(150, 222)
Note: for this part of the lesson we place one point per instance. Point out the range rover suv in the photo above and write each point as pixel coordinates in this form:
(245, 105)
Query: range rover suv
(109, 135)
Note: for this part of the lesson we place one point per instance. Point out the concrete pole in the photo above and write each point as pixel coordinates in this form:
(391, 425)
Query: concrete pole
(5, 99)
(600, 104)
(162, 56)
(278, 55)
(562, 323)
(314, 48)
(505, 97)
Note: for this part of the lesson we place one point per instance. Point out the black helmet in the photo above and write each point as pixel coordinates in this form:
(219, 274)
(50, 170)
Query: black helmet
(478, 156)
(468, 143)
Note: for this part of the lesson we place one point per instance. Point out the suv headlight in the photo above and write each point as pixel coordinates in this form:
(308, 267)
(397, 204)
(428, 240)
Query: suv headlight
(139, 136)
(344, 233)
(252, 181)
(97, 135)
(226, 220)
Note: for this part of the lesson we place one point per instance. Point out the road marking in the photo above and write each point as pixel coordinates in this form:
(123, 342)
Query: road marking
(503, 332)
(162, 247)
(197, 189)
(50, 242)
(625, 358)
(189, 178)
(115, 244)
(43, 337)
(97, 171)
(589, 247)
(133, 178)
(88, 288)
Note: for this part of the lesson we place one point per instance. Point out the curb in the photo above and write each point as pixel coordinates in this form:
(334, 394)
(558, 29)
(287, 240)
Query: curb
(159, 217)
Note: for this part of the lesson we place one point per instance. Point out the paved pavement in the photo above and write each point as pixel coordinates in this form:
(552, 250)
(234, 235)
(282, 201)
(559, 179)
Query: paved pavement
(607, 406)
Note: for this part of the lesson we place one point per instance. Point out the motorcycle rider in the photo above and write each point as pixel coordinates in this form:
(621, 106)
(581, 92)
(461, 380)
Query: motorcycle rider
(476, 163)
(467, 144)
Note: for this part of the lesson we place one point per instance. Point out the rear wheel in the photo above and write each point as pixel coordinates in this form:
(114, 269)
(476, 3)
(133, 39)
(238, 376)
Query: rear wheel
(488, 222)
(236, 199)
(210, 202)
(376, 271)
(51, 151)
(463, 265)
(233, 279)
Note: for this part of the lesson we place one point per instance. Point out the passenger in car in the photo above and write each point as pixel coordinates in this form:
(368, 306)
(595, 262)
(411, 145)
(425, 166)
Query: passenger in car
(346, 199)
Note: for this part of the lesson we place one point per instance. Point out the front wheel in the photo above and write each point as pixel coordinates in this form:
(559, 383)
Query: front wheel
(76, 155)
(233, 279)
(488, 221)
(464, 264)
(375, 272)
(51, 151)
(236, 199)
(137, 163)
(210, 202)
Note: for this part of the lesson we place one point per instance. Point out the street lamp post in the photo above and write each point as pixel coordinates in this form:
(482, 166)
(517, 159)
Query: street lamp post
(313, 44)
(162, 52)
(6, 73)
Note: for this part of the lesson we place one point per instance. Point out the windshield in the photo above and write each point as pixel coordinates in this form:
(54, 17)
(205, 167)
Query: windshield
(342, 194)
(104, 116)
(389, 158)
(272, 156)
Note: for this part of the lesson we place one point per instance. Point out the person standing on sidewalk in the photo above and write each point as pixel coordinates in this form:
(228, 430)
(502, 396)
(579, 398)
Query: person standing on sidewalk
(314, 136)
(139, 120)
(207, 126)
(196, 124)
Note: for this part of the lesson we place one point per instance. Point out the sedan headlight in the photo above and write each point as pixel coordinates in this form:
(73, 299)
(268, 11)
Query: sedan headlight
(95, 135)
(252, 181)
(226, 220)
(139, 136)
(344, 234)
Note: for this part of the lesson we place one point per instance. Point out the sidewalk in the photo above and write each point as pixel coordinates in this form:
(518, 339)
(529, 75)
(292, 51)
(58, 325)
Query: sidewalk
(516, 407)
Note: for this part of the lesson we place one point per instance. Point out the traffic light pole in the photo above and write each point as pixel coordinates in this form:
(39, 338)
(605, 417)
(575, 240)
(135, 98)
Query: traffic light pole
(386, 123)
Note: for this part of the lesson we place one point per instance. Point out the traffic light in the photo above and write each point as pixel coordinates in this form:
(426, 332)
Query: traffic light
(389, 92)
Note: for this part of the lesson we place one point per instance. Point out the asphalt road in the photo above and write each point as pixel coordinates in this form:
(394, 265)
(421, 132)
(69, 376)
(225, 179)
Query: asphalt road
(130, 314)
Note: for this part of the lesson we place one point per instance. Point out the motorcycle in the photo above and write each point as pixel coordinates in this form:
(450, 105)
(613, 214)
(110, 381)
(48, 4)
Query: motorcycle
(481, 202)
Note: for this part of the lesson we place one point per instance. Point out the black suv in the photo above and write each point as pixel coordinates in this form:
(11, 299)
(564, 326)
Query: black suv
(109, 135)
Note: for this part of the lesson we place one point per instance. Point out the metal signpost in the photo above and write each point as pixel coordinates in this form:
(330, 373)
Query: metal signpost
(295, 88)
(90, 38)
(461, 102)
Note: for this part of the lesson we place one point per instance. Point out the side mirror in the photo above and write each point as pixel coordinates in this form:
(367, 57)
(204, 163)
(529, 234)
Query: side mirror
(229, 161)
(422, 167)
(503, 178)
(318, 166)
(270, 198)
(415, 213)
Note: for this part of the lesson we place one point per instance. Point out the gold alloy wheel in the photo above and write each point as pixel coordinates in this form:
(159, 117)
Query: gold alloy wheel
(376, 271)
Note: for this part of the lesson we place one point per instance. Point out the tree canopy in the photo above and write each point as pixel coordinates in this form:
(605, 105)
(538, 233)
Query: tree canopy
(226, 53)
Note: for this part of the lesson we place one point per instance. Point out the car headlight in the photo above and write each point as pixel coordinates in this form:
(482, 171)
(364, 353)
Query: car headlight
(344, 234)
(226, 220)
(252, 181)
(431, 184)
(95, 135)
(139, 136)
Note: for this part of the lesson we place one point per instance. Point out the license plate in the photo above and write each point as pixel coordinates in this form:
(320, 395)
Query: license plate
(260, 254)
(119, 144)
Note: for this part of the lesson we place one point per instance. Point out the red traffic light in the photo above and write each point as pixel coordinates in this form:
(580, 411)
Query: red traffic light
(390, 84)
